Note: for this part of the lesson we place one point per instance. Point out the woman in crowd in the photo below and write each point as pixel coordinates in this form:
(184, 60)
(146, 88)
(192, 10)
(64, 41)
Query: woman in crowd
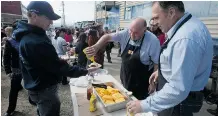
(92, 39)
(61, 47)
(68, 36)
(81, 44)
(59, 42)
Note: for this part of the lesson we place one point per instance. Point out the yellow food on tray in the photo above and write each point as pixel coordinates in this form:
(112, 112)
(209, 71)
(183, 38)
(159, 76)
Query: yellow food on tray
(117, 96)
(112, 90)
(109, 102)
(99, 89)
(107, 97)
(119, 100)
(102, 91)
(110, 95)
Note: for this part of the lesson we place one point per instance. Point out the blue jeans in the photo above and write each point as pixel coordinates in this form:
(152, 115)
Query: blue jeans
(47, 100)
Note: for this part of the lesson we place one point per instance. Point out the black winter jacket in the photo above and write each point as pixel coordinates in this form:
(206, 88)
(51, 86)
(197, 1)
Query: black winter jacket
(40, 64)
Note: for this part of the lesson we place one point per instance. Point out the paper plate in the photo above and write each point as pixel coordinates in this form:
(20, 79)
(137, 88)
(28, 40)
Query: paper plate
(98, 65)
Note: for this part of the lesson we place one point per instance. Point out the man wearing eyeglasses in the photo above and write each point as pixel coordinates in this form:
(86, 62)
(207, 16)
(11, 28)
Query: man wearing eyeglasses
(157, 31)
(41, 67)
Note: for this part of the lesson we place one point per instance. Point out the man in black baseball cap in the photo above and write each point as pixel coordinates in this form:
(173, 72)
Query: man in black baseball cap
(41, 67)
(41, 14)
(42, 8)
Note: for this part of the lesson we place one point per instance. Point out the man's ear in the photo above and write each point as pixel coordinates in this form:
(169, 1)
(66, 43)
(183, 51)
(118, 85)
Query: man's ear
(171, 12)
(33, 15)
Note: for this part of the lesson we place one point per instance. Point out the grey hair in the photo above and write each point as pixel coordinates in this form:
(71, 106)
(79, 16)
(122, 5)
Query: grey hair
(165, 5)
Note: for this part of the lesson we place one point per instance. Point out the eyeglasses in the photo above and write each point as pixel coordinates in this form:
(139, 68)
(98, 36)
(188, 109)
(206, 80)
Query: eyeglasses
(152, 22)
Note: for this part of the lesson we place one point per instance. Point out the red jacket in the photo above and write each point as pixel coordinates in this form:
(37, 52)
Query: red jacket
(68, 38)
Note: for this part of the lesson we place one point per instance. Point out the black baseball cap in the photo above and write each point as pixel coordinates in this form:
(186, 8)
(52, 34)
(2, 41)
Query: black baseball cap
(42, 8)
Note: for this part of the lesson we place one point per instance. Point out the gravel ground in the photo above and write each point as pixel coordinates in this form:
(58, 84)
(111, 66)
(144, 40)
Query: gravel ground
(24, 108)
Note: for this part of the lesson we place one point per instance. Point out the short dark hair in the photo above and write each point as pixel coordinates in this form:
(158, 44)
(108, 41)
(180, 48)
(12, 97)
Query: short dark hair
(166, 4)
(62, 30)
(59, 31)
(93, 33)
(82, 37)
(69, 32)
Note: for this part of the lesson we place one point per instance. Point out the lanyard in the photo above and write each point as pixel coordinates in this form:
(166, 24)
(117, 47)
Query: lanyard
(168, 40)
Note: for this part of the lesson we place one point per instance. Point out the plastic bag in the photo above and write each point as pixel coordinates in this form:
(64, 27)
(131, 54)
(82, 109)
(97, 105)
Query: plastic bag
(80, 82)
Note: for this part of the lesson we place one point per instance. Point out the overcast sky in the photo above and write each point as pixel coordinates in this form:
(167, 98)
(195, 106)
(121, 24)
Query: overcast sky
(74, 10)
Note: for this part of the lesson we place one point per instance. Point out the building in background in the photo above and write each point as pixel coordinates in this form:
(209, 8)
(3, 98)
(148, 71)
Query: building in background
(207, 11)
(108, 13)
(12, 11)
(77, 24)
(86, 24)
(83, 24)
(24, 11)
(116, 14)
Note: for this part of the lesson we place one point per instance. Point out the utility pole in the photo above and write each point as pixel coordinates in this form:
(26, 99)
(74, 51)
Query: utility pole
(95, 10)
(63, 14)
(105, 9)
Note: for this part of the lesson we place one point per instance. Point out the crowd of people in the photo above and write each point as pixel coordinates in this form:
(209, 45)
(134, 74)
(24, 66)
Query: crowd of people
(164, 65)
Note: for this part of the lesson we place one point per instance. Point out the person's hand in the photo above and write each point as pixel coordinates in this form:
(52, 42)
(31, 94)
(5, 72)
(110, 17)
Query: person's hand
(134, 107)
(153, 82)
(152, 87)
(153, 78)
(91, 51)
(63, 58)
(92, 69)
(72, 51)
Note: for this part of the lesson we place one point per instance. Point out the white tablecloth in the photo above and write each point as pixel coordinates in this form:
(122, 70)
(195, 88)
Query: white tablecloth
(101, 78)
